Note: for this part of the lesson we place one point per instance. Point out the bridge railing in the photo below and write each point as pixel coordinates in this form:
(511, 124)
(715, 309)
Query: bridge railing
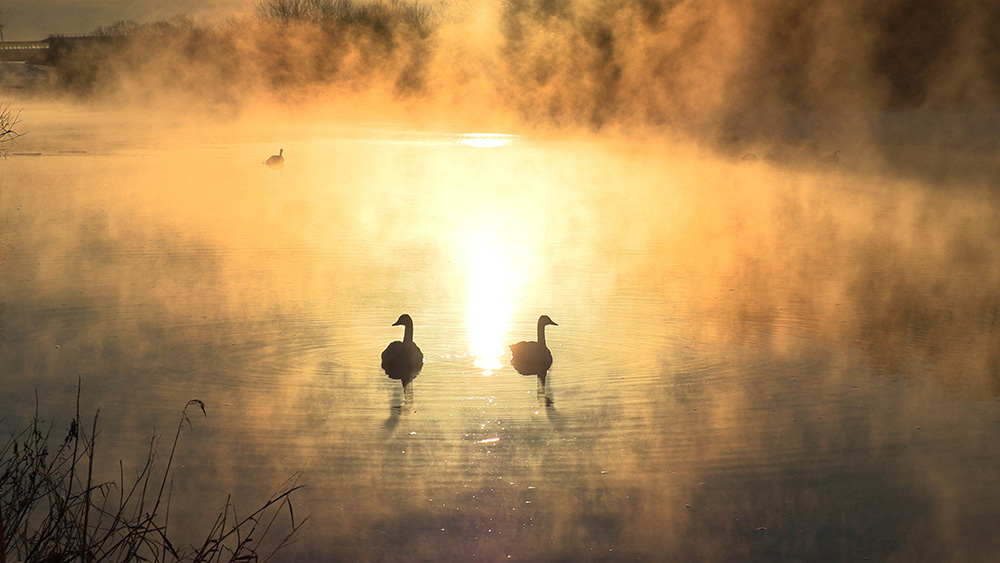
(23, 45)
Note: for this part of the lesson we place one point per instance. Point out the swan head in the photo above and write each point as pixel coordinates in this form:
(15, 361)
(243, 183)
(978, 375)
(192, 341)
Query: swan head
(545, 320)
(403, 320)
(281, 153)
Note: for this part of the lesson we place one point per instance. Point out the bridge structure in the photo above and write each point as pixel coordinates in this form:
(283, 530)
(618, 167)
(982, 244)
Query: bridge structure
(33, 52)
(48, 51)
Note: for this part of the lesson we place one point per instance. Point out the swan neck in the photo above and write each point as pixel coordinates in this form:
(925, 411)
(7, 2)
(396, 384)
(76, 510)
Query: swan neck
(541, 333)
(407, 332)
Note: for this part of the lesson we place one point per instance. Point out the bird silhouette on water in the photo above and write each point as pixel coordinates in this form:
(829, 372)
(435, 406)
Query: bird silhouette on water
(534, 358)
(831, 160)
(276, 160)
(403, 360)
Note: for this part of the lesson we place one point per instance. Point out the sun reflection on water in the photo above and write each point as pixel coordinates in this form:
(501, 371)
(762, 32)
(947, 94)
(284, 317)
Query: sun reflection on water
(490, 306)
(486, 140)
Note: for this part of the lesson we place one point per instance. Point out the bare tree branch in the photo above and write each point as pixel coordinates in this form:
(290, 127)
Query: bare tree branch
(8, 133)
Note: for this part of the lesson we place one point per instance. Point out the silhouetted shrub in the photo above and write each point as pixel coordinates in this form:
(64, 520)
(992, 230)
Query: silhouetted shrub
(52, 510)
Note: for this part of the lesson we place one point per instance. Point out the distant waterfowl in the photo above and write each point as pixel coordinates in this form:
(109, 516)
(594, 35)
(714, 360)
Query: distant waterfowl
(749, 157)
(831, 159)
(403, 360)
(276, 160)
(987, 148)
(534, 358)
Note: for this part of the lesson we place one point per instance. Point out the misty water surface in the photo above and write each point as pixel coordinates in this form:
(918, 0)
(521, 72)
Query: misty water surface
(752, 360)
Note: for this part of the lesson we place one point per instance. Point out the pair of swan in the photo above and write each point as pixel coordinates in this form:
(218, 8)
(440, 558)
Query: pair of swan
(404, 360)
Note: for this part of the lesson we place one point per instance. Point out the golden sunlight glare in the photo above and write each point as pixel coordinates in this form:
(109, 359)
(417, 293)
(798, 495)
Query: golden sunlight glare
(489, 309)
(485, 140)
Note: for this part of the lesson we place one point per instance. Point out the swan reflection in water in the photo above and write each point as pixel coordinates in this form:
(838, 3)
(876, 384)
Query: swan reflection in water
(534, 358)
(403, 360)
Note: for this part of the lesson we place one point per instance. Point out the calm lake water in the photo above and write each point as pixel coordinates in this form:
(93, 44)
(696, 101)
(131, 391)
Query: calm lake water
(752, 361)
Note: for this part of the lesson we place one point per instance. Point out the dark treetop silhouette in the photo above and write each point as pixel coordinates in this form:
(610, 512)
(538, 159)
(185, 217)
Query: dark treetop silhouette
(403, 360)
(276, 160)
(534, 358)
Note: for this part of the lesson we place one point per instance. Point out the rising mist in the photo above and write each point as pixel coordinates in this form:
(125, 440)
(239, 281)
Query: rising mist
(809, 73)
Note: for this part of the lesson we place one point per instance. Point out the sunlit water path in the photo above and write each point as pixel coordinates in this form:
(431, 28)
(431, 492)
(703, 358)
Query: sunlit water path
(751, 361)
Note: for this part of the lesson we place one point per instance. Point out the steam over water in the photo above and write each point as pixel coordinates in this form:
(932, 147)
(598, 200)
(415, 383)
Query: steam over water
(753, 360)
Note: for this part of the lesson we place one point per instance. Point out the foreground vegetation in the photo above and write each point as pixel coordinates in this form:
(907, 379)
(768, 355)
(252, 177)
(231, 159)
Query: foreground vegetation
(52, 510)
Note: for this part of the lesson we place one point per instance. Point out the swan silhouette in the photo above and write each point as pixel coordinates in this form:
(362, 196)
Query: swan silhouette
(276, 160)
(534, 358)
(403, 360)
(832, 159)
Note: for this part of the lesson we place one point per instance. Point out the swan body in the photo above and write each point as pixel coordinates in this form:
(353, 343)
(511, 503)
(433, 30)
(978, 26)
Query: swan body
(530, 358)
(403, 360)
(276, 160)
(534, 358)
